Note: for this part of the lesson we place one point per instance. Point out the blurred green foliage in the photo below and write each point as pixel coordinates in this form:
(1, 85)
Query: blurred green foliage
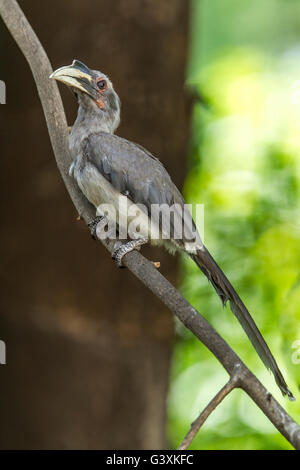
(244, 71)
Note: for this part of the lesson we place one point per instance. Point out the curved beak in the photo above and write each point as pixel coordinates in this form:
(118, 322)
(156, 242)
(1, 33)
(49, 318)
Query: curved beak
(77, 76)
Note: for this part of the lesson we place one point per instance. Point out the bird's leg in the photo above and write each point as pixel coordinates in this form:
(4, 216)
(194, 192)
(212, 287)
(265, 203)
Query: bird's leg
(123, 249)
(93, 226)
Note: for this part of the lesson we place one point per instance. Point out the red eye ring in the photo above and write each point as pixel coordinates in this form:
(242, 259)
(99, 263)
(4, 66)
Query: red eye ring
(102, 84)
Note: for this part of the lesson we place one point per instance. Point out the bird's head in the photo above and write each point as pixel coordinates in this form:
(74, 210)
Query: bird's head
(93, 90)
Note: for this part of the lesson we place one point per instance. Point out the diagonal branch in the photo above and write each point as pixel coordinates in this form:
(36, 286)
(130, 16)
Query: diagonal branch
(143, 269)
(232, 383)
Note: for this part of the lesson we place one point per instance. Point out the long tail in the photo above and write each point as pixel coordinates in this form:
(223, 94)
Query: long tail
(227, 293)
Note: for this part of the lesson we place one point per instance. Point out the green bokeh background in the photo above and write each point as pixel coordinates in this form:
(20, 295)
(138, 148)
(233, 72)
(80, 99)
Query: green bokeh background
(244, 69)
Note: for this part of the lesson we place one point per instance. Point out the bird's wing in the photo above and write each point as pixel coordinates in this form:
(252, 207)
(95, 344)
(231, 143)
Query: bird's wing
(133, 171)
(136, 173)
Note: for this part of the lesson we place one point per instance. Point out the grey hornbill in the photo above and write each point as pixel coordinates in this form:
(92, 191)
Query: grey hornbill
(108, 168)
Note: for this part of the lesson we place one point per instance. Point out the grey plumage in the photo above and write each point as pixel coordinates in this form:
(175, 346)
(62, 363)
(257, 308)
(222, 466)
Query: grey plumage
(130, 170)
(109, 168)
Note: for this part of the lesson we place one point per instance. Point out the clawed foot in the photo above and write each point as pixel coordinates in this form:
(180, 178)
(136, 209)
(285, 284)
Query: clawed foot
(122, 250)
(93, 226)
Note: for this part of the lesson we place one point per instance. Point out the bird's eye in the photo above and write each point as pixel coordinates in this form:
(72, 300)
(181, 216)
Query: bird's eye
(102, 85)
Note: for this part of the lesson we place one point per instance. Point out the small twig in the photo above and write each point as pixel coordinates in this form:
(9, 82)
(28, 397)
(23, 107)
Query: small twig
(232, 383)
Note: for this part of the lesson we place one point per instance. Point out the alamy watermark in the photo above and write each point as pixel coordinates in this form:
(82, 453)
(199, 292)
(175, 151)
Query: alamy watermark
(296, 354)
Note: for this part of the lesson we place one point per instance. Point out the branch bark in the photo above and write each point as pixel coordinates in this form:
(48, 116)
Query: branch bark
(142, 268)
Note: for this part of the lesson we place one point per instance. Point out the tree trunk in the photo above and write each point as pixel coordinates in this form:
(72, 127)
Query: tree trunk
(88, 347)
